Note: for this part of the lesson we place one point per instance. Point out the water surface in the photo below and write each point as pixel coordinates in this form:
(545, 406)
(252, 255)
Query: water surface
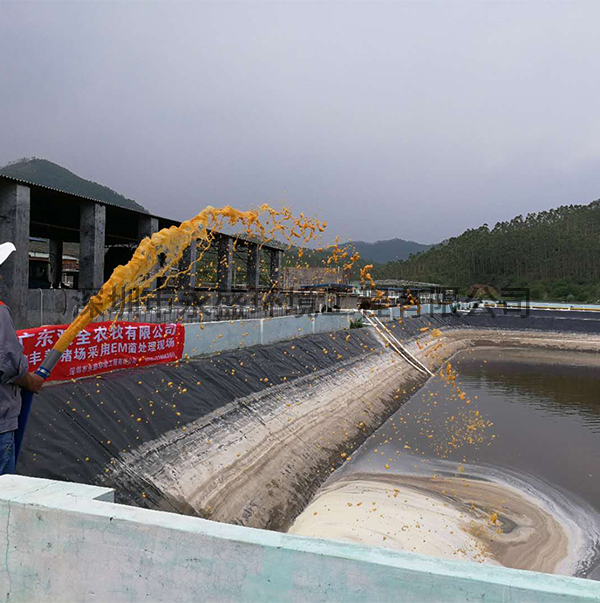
(527, 419)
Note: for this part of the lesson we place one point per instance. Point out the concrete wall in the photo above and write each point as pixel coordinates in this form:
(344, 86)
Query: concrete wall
(67, 542)
(210, 337)
(282, 329)
(15, 210)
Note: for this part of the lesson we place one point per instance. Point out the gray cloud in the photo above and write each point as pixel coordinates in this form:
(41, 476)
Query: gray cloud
(408, 119)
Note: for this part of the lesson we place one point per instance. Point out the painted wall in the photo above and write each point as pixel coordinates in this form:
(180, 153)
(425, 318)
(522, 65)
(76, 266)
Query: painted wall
(64, 542)
(210, 337)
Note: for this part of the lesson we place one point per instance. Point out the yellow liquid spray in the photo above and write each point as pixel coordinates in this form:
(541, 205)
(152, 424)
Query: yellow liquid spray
(169, 244)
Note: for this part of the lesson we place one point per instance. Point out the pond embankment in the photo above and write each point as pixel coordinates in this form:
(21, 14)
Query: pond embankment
(248, 436)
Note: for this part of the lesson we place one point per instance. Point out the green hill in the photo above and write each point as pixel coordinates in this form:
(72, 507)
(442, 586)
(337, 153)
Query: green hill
(391, 250)
(379, 252)
(555, 253)
(46, 173)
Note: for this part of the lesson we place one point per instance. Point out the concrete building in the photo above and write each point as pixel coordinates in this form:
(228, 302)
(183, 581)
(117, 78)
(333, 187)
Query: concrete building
(298, 277)
(106, 234)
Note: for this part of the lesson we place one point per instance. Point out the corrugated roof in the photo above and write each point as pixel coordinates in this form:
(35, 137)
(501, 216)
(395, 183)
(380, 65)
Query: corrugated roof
(62, 192)
(271, 244)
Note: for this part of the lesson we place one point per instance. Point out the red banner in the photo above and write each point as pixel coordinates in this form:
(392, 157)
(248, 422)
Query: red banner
(104, 346)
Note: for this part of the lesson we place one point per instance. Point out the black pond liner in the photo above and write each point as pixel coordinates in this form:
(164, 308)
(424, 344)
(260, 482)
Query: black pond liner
(77, 427)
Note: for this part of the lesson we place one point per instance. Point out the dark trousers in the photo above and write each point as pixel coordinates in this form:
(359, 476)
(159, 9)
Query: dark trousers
(7, 452)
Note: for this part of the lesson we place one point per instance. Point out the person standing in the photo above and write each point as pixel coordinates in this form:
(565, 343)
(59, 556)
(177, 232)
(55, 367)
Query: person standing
(14, 374)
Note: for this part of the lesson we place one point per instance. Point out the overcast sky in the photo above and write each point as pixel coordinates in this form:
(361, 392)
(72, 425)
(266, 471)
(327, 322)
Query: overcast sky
(403, 119)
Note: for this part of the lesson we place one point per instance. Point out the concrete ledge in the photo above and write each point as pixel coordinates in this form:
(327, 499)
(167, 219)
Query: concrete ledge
(61, 542)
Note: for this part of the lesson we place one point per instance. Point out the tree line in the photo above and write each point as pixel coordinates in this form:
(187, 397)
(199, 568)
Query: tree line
(555, 253)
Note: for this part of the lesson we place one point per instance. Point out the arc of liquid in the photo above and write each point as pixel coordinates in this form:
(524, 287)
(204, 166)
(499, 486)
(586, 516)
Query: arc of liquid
(144, 267)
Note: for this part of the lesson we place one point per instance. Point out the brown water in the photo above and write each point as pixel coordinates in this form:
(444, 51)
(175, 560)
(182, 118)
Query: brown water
(537, 432)
(546, 413)
(545, 410)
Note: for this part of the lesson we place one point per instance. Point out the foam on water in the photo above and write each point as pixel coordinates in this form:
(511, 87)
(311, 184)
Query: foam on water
(578, 518)
(467, 531)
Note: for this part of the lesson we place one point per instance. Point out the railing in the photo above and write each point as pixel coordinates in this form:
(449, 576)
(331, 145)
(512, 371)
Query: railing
(211, 306)
(60, 306)
(393, 342)
(192, 314)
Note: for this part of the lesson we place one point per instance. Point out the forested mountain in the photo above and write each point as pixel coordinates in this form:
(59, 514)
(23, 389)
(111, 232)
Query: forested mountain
(391, 250)
(46, 173)
(555, 253)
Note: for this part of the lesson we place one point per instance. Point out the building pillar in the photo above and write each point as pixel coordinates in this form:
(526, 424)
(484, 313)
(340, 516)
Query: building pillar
(92, 228)
(15, 211)
(188, 261)
(275, 272)
(56, 262)
(147, 226)
(253, 266)
(224, 263)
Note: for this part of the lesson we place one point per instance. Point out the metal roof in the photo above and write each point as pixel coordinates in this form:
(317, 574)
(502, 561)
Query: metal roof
(62, 192)
(269, 245)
